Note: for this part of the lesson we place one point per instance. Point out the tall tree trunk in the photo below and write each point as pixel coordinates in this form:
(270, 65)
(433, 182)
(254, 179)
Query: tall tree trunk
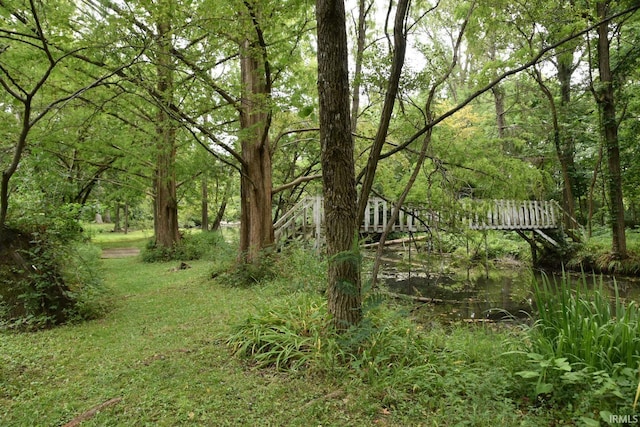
(363, 10)
(567, 199)
(399, 50)
(205, 205)
(338, 167)
(222, 207)
(498, 101)
(606, 99)
(256, 225)
(166, 202)
(564, 142)
(116, 221)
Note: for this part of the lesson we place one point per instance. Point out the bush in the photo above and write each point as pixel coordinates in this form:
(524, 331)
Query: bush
(402, 365)
(48, 275)
(243, 274)
(191, 247)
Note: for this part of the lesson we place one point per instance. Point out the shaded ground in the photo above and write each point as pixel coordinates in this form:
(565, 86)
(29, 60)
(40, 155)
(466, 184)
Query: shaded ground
(120, 252)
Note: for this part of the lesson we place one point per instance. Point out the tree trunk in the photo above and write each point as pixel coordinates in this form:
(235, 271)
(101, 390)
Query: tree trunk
(205, 205)
(565, 146)
(606, 99)
(221, 209)
(567, 199)
(338, 168)
(498, 101)
(166, 203)
(116, 221)
(361, 36)
(399, 50)
(256, 225)
(126, 218)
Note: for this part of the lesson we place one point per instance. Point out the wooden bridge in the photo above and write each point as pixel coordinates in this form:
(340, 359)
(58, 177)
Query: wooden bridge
(306, 219)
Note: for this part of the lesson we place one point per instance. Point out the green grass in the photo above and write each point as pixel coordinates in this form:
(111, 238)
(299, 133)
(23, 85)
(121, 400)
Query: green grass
(102, 235)
(163, 350)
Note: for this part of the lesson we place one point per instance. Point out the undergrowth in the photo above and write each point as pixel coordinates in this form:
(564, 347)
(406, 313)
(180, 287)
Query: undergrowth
(48, 275)
(584, 348)
(411, 369)
(192, 246)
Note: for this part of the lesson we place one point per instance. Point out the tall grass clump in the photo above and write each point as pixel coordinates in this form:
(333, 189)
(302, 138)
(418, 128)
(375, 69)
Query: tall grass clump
(584, 346)
(586, 325)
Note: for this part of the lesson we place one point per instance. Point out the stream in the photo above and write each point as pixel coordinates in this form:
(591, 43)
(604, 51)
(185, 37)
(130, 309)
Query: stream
(505, 294)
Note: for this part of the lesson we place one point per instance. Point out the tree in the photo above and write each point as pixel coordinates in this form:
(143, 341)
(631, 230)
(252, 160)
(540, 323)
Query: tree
(28, 65)
(605, 96)
(256, 225)
(167, 233)
(338, 167)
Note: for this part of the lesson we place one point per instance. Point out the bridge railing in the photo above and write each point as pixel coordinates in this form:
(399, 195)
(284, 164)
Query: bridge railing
(378, 212)
(516, 215)
(304, 219)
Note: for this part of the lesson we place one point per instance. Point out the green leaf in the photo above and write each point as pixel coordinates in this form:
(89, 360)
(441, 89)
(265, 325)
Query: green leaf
(605, 416)
(562, 364)
(305, 111)
(544, 388)
(528, 374)
(590, 422)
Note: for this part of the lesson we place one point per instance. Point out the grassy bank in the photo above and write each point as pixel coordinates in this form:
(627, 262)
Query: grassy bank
(162, 352)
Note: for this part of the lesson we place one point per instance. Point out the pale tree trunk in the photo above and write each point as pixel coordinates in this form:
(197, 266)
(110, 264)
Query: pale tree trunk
(606, 100)
(256, 226)
(166, 203)
(338, 168)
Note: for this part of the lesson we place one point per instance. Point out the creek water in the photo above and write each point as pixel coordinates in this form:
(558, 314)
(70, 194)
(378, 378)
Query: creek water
(445, 293)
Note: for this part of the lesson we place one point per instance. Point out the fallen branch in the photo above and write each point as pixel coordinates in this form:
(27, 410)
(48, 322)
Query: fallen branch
(392, 242)
(92, 412)
(419, 299)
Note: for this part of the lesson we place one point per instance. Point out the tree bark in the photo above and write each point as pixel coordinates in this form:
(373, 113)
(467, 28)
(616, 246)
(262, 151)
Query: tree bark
(256, 225)
(167, 232)
(606, 99)
(223, 206)
(338, 167)
(565, 145)
(205, 205)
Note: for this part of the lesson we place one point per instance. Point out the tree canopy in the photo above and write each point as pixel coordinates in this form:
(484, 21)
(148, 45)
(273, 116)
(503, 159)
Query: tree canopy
(148, 104)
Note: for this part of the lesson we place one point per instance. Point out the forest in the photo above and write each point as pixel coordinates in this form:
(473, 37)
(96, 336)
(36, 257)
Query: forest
(199, 124)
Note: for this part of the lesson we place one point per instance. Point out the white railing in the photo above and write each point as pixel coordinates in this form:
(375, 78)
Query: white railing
(306, 218)
(517, 215)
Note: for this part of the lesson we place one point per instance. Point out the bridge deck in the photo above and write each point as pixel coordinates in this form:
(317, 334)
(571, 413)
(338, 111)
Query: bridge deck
(306, 219)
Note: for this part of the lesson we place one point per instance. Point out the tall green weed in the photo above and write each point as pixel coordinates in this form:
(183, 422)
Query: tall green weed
(584, 347)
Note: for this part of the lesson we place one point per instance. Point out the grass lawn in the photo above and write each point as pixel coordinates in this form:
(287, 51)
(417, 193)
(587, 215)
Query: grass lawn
(161, 351)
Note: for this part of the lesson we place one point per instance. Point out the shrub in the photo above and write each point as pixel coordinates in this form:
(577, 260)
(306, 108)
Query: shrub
(243, 274)
(191, 247)
(48, 275)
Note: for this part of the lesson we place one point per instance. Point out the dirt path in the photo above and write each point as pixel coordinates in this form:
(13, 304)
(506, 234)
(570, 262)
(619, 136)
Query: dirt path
(120, 252)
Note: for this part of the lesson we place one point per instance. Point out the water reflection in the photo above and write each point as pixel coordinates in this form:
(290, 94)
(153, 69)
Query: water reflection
(504, 295)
